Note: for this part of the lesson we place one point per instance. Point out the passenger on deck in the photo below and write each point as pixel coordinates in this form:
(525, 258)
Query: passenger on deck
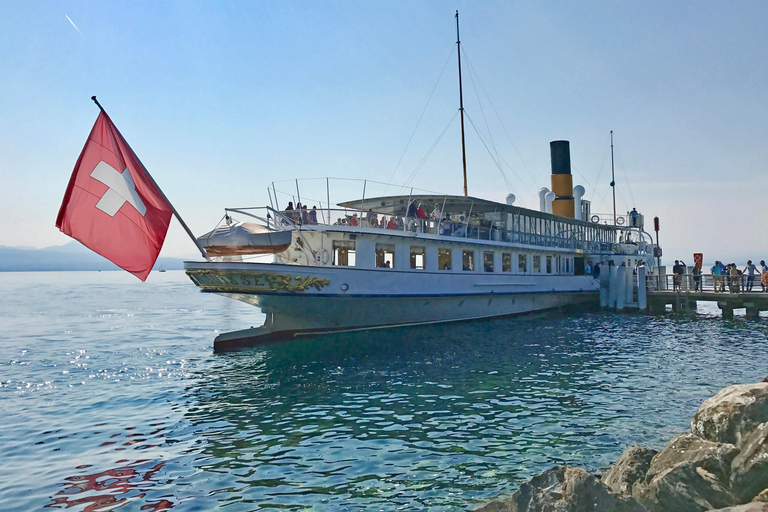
(411, 211)
(313, 215)
(436, 212)
(446, 226)
(420, 213)
(399, 223)
(372, 218)
(391, 224)
(353, 220)
(383, 222)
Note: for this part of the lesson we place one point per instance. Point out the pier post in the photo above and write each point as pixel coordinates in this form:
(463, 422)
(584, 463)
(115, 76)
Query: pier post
(629, 287)
(752, 311)
(612, 286)
(726, 309)
(641, 300)
(621, 286)
(604, 288)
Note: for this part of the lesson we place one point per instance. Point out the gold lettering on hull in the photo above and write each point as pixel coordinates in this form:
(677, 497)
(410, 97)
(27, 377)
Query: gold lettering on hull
(256, 281)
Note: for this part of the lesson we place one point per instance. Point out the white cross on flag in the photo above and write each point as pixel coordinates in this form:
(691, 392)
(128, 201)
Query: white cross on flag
(112, 205)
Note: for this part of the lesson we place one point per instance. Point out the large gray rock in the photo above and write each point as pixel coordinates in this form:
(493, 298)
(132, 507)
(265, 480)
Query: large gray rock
(763, 496)
(684, 488)
(631, 467)
(689, 474)
(715, 458)
(564, 489)
(749, 507)
(732, 414)
(749, 470)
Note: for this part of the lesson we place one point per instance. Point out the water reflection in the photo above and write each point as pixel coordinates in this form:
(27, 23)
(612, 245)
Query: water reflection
(111, 489)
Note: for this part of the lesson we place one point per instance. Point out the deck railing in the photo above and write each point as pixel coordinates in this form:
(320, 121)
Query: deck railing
(476, 229)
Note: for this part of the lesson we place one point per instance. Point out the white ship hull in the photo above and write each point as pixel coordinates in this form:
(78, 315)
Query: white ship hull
(300, 301)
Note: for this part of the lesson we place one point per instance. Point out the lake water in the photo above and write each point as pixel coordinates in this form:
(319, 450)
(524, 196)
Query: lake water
(112, 398)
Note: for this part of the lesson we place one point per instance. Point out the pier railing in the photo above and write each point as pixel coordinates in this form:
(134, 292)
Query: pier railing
(689, 282)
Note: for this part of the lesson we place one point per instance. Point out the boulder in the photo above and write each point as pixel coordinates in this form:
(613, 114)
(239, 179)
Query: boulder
(749, 507)
(631, 467)
(564, 489)
(763, 496)
(683, 488)
(749, 470)
(732, 414)
(716, 458)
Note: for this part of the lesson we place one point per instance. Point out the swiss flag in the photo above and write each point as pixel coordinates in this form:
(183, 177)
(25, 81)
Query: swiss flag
(112, 205)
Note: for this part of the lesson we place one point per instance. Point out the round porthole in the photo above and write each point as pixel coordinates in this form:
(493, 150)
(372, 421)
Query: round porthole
(344, 287)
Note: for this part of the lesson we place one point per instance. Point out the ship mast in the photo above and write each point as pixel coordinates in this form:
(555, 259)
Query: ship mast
(613, 182)
(461, 108)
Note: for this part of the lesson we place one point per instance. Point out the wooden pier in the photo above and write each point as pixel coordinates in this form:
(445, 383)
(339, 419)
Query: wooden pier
(660, 293)
(682, 301)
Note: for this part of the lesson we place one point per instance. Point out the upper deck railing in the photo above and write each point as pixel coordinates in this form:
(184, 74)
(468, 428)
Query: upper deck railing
(519, 229)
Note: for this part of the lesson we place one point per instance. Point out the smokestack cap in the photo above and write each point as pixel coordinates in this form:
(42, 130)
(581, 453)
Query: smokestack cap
(560, 151)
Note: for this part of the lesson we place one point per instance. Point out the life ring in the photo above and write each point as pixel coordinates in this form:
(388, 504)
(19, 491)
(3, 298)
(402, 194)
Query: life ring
(620, 221)
(323, 257)
(595, 219)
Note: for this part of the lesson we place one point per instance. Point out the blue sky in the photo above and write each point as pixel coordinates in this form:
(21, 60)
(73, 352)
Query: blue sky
(219, 99)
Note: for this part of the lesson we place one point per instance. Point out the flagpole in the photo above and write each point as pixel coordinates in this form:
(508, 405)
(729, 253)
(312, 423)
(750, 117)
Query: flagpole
(173, 209)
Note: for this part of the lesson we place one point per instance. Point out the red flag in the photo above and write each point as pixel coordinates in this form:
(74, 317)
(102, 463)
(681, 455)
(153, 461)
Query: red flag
(112, 205)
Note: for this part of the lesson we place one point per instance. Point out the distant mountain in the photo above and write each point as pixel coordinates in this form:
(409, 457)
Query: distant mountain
(72, 256)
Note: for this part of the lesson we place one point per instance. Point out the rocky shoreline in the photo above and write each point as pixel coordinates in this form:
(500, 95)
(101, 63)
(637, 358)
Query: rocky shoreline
(720, 464)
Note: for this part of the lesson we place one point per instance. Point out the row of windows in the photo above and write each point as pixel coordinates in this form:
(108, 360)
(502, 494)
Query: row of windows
(344, 255)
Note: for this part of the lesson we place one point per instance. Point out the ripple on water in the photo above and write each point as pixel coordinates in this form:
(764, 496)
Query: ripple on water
(115, 399)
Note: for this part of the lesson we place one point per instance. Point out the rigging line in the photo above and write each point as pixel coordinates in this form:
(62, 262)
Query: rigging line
(420, 118)
(493, 107)
(600, 171)
(626, 177)
(429, 153)
(586, 180)
(510, 188)
(472, 76)
(498, 163)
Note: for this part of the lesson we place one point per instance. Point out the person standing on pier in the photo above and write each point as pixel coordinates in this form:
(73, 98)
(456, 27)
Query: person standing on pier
(696, 272)
(751, 271)
(763, 275)
(677, 276)
(717, 278)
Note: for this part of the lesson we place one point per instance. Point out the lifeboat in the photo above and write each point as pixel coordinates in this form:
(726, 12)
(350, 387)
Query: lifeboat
(244, 238)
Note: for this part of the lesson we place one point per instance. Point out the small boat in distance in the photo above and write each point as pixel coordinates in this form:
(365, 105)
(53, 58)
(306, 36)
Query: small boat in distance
(424, 258)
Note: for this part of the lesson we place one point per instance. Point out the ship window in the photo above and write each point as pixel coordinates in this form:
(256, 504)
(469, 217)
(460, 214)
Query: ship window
(487, 262)
(522, 263)
(385, 255)
(549, 264)
(344, 253)
(417, 257)
(537, 263)
(444, 259)
(567, 265)
(506, 262)
(468, 260)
